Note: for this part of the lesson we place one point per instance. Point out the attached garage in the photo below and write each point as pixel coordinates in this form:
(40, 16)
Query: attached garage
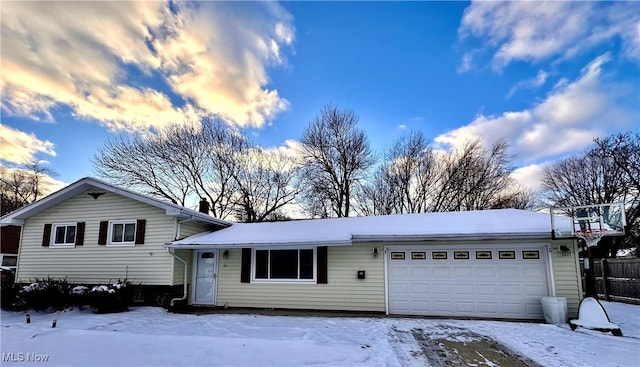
(495, 281)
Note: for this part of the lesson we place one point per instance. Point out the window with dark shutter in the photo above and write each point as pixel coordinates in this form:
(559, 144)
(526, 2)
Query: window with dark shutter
(140, 230)
(46, 235)
(245, 266)
(322, 265)
(80, 233)
(102, 234)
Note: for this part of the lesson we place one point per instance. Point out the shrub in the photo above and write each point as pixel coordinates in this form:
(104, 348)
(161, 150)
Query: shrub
(45, 293)
(79, 296)
(110, 298)
(9, 291)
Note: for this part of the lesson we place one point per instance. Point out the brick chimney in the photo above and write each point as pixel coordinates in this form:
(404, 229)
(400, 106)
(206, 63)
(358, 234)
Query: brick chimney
(204, 206)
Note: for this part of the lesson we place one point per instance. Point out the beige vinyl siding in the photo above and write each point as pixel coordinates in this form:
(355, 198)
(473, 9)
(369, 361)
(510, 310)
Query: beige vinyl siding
(186, 229)
(344, 291)
(148, 264)
(566, 274)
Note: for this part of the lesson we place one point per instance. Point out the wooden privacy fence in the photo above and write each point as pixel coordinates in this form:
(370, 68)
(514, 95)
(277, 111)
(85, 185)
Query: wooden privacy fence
(617, 279)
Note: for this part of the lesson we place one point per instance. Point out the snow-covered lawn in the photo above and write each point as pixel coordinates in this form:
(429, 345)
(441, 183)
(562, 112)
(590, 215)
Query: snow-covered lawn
(149, 336)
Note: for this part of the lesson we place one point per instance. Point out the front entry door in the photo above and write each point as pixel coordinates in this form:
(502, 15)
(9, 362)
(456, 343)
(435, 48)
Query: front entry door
(205, 277)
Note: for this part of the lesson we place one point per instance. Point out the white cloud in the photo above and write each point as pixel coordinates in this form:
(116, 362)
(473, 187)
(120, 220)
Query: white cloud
(534, 31)
(19, 147)
(213, 55)
(402, 126)
(566, 121)
(529, 176)
(290, 148)
(534, 82)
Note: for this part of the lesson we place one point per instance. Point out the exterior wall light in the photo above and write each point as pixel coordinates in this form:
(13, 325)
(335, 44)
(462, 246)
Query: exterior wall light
(375, 252)
(225, 254)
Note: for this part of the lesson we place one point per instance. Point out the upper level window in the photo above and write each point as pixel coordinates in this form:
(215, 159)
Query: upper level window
(64, 235)
(122, 233)
(284, 265)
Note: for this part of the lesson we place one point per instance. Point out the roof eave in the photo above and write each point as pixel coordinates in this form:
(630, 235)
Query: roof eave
(451, 237)
(193, 246)
(19, 216)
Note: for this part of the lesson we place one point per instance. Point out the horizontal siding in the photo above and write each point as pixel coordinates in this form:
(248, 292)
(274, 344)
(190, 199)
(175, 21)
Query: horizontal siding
(566, 273)
(148, 263)
(342, 292)
(186, 229)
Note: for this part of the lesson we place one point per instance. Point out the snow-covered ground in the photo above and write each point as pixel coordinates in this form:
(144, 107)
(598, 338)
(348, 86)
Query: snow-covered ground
(149, 336)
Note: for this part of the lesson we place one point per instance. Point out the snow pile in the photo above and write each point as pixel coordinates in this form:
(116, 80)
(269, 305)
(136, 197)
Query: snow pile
(593, 316)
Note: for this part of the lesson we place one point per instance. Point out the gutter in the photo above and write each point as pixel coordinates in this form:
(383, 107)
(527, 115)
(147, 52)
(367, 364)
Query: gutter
(185, 285)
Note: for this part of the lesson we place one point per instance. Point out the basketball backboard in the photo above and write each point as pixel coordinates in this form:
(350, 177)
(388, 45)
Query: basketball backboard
(575, 221)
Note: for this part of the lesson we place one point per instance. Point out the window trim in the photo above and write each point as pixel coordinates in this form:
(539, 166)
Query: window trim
(124, 222)
(314, 280)
(2, 257)
(52, 241)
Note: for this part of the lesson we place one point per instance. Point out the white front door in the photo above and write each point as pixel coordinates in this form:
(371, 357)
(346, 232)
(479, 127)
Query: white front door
(205, 277)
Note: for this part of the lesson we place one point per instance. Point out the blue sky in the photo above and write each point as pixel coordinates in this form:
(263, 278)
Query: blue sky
(548, 77)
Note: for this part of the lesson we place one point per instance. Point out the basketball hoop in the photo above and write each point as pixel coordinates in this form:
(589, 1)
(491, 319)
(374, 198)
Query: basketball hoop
(590, 236)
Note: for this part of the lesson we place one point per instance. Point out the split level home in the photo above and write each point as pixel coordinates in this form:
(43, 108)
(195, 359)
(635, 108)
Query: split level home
(491, 263)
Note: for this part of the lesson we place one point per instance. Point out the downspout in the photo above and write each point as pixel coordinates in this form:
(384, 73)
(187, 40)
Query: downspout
(185, 285)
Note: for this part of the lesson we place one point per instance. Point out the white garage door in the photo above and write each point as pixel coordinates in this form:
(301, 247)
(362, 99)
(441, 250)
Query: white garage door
(500, 282)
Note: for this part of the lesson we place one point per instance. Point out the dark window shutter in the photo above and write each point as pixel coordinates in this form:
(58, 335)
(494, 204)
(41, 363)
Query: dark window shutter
(102, 235)
(140, 229)
(46, 235)
(245, 266)
(79, 233)
(321, 254)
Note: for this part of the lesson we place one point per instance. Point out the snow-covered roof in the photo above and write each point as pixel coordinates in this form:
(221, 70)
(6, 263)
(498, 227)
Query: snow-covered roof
(485, 224)
(18, 217)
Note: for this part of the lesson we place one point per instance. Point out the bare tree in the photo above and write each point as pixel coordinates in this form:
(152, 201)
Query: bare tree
(417, 179)
(265, 183)
(202, 160)
(403, 183)
(336, 156)
(606, 172)
(23, 185)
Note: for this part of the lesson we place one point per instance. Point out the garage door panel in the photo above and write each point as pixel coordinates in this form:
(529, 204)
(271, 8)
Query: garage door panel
(487, 308)
(419, 290)
(536, 289)
(509, 272)
(511, 309)
(399, 288)
(420, 272)
(487, 290)
(462, 271)
(440, 272)
(441, 290)
(464, 307)
(463, 290)
(421, 306)
(484, 272)
(461, 286)
(442, 307)
(510, 290)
